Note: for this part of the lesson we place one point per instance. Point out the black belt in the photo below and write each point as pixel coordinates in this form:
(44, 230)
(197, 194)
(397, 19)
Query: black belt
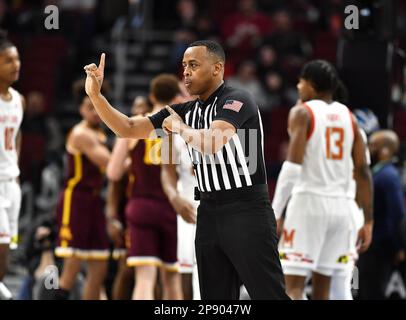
(232, 194)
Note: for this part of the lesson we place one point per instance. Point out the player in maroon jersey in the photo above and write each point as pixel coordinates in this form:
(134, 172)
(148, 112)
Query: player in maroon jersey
(117, 197)
(150, 217)
(82, 232)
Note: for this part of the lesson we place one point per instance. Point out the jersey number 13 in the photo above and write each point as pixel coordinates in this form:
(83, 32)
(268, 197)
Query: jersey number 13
(334, 143)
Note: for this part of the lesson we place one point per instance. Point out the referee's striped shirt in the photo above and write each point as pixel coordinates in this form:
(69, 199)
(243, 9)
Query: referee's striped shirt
(240, 163)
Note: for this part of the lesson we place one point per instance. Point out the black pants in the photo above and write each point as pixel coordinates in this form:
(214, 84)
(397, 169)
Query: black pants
(236, 243)
(375, 267)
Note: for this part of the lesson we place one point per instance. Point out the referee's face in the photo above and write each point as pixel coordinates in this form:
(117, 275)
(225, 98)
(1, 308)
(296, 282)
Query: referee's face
(200, 71)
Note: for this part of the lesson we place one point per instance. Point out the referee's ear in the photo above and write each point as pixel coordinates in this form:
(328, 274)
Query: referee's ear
(218, 68)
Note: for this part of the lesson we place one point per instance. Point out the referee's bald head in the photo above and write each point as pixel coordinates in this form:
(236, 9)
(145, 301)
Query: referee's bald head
(213, 48)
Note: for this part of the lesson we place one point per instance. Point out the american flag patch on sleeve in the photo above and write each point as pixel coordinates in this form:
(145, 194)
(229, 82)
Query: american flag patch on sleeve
(234, 105)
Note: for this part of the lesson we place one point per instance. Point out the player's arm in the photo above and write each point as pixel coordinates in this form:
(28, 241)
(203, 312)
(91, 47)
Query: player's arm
(364, 195)
(123, 126)
(87, 143)
(114, 191)
(19, 134)
(115, 228)
(169, 180)
(117, 163)
(298, 127)
(19, 139)
(362, 175)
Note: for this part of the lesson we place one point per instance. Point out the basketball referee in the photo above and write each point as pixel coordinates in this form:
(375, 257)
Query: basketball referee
(236, 238)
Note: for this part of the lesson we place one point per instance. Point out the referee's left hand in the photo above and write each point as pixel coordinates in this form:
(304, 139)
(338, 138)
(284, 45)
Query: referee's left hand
(173, 123)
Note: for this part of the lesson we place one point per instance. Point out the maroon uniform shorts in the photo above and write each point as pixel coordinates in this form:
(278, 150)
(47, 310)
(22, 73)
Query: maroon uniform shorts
(81, 225)
(152, 228)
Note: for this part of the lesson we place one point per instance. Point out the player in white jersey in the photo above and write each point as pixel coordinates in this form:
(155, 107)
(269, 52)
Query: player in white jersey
(179, 183)
(325, 149)
(11, 114)
(342, 280)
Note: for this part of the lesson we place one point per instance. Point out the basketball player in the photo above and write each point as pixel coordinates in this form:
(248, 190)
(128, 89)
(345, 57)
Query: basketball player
(82, 232)
(178, 182)
(342, 280)
(11, 114)
(325, 149)
(117, 197)
(150, 217)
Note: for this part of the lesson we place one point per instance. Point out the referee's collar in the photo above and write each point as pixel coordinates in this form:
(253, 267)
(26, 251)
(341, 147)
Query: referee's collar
(210, 99)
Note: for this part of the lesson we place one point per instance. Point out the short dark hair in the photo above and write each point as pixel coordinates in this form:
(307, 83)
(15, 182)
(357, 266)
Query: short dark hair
(5, 43)
(165, 87)
(213, 48)
(324, 78)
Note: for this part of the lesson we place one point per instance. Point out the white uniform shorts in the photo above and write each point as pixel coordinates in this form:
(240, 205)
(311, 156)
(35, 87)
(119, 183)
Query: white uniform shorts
(10, 203)
(186, 246)
(319, 235)
(344, 280)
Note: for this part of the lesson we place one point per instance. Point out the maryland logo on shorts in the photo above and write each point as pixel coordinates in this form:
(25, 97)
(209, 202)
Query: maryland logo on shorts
(288, 237)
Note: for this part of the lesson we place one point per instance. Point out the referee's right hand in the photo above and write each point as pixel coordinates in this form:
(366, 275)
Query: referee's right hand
(95, 76)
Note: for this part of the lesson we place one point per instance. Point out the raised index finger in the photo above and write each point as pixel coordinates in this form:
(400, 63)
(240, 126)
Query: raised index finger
(102, 61)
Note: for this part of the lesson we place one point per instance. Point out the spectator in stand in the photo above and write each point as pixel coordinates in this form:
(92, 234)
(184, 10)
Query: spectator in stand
(375, 265)
(183, 37)
(247, 79)
(267, 60)
(273, 84)
(291, 47)
(205, 28)
(278, 91)
(243, 31)
(78, 18)
(187, 13)
(186, 32)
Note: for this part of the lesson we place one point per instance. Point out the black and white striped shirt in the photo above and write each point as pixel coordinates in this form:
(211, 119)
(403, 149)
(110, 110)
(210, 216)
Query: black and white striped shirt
(240, 162)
